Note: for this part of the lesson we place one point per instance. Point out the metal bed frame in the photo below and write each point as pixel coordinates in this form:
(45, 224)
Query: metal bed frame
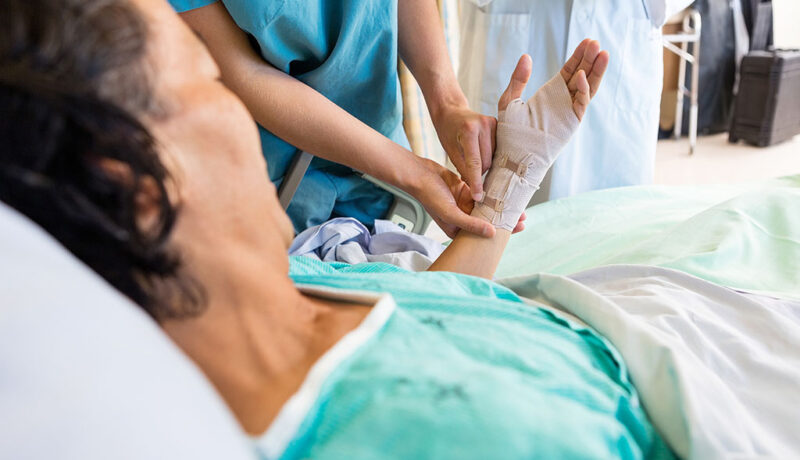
(406, 212)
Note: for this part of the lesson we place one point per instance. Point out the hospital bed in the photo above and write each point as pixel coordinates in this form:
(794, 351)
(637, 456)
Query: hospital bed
(744, 236)
(85, 374)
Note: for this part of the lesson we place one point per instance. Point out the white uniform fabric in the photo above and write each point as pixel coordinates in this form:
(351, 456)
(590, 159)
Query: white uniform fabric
(530, 135)
(86, 375)
(717, 369)
(616, 144)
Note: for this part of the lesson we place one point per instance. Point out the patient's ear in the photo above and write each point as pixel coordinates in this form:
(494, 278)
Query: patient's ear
(148, 196)
(148, 201)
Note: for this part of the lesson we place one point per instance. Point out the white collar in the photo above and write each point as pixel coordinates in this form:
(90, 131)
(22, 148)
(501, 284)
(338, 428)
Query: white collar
(282, 430)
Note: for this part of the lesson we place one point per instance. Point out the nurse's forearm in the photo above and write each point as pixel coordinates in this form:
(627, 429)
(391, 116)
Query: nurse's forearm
(296, 112)
(309, 121)
(423, 48)
(473, 255)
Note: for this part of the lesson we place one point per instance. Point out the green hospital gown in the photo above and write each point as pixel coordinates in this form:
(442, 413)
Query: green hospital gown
(451, 366)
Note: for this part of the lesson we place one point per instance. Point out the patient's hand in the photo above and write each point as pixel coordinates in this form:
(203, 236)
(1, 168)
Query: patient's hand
(531, 134)
(582, 73)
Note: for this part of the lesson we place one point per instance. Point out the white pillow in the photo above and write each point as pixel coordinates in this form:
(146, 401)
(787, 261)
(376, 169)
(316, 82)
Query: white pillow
(85, 374)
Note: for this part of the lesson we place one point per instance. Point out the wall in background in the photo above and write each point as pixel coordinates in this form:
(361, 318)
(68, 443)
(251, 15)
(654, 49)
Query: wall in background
(787, 19)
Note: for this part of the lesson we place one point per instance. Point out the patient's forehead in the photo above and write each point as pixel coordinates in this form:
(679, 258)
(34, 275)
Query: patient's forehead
(176, 54)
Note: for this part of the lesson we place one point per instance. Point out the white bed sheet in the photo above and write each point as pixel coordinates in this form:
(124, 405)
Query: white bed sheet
(718, 370)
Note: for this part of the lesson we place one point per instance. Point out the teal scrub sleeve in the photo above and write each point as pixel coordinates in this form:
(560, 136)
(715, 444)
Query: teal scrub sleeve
(181, 6)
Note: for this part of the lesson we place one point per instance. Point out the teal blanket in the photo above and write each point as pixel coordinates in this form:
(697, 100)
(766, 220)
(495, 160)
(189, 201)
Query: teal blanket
(745, 236)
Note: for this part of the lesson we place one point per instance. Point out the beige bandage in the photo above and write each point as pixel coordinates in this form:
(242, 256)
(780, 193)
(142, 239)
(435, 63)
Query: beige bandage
(530, 136)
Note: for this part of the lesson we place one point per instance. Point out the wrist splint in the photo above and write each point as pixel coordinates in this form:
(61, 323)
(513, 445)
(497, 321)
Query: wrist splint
(530, 136)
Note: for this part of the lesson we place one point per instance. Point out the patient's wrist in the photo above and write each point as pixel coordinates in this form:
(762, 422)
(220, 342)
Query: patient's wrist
(508, 188)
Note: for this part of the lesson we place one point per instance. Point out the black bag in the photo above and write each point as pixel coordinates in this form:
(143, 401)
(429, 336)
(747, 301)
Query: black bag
(768, 104)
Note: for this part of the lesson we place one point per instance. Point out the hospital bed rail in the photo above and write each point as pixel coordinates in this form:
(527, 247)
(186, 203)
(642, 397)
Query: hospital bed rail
(405, 211)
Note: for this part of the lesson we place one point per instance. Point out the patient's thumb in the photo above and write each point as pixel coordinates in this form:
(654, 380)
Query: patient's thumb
(519, 79)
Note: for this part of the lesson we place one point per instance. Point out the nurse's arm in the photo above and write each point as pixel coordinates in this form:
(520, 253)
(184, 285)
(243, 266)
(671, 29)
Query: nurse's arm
(308, 120)
(467, 136)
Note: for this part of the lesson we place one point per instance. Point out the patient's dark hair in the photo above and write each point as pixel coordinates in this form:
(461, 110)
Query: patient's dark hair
(73, 154)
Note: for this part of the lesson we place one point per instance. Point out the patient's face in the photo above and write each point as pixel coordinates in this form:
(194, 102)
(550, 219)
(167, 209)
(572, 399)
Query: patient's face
(210, 145)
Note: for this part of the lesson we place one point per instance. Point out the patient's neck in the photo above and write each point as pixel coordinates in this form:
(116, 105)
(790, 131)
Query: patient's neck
(258, 339)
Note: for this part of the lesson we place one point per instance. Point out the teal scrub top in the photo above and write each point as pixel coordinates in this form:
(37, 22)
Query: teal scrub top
(347, 51)
(461, 368)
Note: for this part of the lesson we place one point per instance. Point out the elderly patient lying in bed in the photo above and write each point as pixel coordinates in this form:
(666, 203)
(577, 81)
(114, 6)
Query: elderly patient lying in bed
(117, 137)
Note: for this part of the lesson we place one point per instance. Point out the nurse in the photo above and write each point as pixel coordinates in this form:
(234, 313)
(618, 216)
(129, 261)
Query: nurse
(321, 77)
(617, 143)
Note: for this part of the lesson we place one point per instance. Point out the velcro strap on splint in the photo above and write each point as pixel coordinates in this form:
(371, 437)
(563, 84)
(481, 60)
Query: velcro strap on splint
(519, 168)
(493, 203)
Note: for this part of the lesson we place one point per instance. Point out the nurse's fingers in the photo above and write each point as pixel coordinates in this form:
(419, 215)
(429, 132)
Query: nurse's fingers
(472, 173)
(458, 160)
(574, 61)
(595, 77)
(580, 102)
(456, 219)
(486, 142)
(519, 79)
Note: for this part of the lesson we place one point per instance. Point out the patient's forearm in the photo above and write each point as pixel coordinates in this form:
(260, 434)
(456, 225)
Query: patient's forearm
(473, 255)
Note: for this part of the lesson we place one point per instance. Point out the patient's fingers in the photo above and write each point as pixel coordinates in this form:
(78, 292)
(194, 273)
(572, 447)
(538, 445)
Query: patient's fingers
(589, 56)
(595, 77)
(574, 61)
(521, 224)
(520, 77)
(582, 95)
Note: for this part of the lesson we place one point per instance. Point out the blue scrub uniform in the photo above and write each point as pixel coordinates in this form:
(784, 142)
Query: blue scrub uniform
(347, 51)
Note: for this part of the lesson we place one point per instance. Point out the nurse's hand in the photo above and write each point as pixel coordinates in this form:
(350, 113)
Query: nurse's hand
(447, 199)
(468, 139)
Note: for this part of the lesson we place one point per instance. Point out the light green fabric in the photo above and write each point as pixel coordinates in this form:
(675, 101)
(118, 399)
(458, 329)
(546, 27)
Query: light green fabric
(463, 369)
(745, 237)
